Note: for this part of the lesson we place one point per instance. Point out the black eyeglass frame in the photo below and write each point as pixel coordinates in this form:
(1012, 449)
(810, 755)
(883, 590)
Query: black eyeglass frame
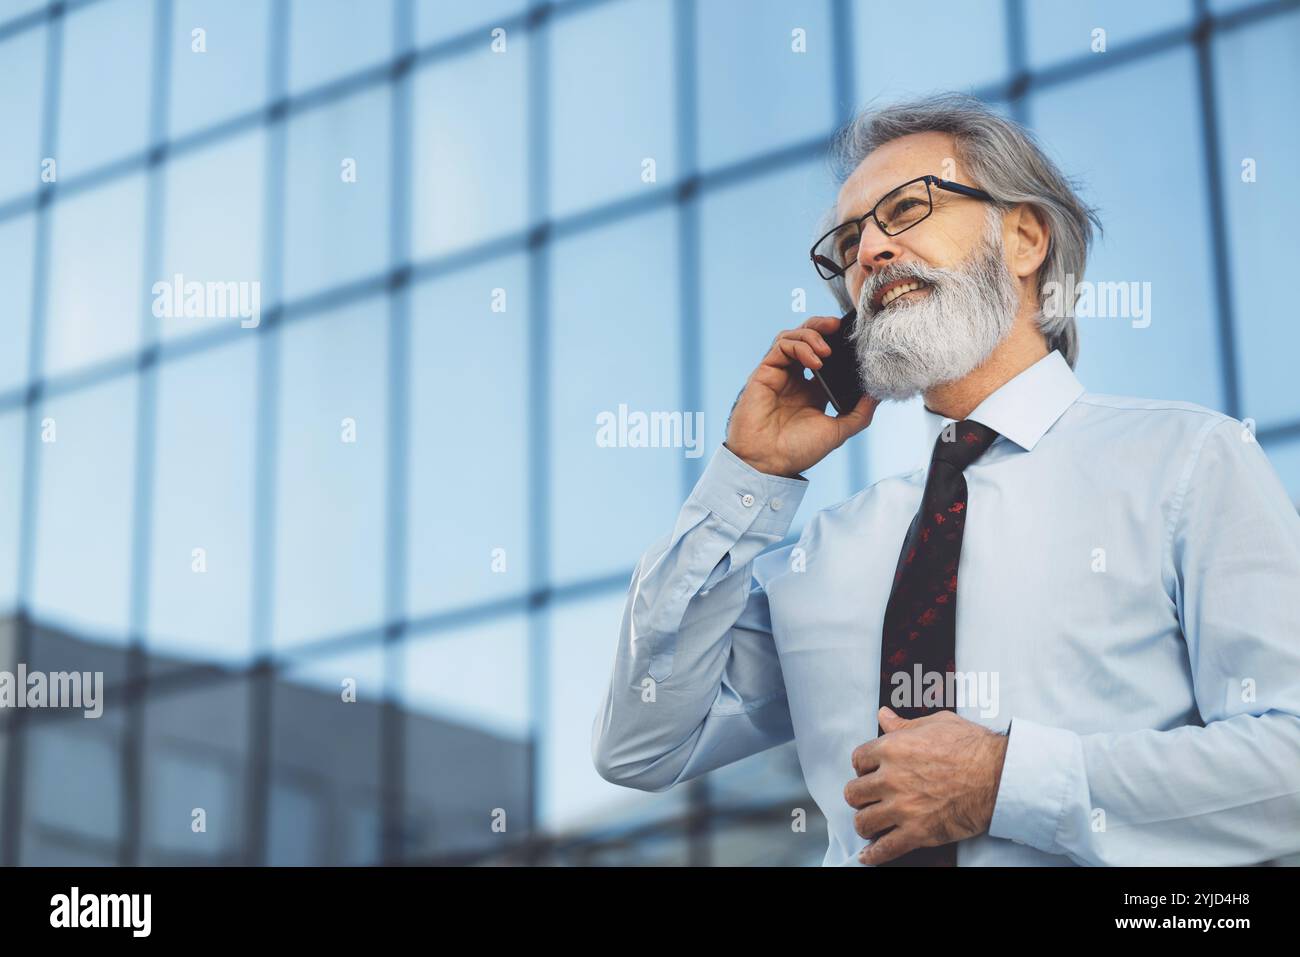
(930, 180)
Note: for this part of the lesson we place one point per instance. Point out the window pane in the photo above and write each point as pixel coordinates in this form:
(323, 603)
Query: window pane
(753, 59)
(583, 639)
(22, 61)
(614, 351)
(1155, 180)
(17, 236)
(1064, 31)
(94, 302)
(332, 38)
(228, 77)
(203, 500)
(326, 760)
(104, 96)
(332, 474)
(439, 19)
(73, 777)
(297, 817)
(755, 269)
(949, 45)
(213, 228)
(54, 649)
(470, 177)
(337, 230)
(1258, 70)
(468, 522)
(612, 81)
(85, 493)
(11, 505)
(465, 697)
(196, 759)
(72, 774)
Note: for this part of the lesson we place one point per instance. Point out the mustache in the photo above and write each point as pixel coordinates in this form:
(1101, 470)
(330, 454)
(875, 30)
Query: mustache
(930, 275)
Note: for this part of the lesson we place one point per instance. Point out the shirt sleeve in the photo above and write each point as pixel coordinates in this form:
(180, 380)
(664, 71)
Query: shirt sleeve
(696, 682)
(1226, 791)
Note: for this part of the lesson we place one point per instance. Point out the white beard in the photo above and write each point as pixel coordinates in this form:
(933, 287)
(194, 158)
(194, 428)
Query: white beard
(943, 335)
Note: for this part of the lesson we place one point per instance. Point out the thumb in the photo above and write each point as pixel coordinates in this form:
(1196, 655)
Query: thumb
(889, 721)
(858, 418)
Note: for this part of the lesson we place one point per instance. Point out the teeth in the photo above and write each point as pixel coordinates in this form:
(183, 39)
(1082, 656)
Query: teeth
(898, 291)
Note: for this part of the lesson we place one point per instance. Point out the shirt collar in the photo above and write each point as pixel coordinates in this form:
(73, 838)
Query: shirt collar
(1024, 407)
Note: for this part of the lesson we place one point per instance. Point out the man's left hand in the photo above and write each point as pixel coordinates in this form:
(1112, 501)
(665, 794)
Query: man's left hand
(927, 781)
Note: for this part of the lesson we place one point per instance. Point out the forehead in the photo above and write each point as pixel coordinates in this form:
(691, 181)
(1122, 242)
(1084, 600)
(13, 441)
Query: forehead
(890, 165)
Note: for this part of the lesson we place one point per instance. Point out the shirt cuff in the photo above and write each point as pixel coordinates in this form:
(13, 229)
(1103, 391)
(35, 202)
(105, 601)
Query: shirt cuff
(747, 498)
(1037, 778)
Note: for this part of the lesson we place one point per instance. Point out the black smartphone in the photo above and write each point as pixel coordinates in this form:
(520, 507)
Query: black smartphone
(839, 374)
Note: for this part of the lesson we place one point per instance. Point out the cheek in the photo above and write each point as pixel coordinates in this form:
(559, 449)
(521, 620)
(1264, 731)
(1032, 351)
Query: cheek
(939, 253)
(948, 245)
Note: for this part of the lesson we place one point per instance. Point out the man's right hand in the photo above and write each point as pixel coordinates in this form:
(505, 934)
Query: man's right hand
(779, 424)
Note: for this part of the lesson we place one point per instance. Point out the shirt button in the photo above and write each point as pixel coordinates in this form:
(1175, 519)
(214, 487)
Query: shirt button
(747, 500)
(776, 504)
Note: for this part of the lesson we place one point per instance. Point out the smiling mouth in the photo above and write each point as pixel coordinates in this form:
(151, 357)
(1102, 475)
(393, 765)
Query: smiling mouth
(896, 289)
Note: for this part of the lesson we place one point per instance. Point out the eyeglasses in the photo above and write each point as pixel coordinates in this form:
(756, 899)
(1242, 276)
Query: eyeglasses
(898, 211)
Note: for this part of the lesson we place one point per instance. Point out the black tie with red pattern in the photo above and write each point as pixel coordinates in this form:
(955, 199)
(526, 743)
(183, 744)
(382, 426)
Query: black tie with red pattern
(920, 620)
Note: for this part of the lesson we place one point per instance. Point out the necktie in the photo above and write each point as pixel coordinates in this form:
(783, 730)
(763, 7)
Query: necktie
(920, 636)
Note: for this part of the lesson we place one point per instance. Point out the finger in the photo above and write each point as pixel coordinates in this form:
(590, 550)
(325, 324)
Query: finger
(799, 351)
(864, 790)
(780, 355)
(822, 324)
(804, 349)
(885, 849)
(773, 377)
(873, 819)
(785, 352)
(858, 418)
(777, 357)
(810, 336)
(889, 721)
(865, 757)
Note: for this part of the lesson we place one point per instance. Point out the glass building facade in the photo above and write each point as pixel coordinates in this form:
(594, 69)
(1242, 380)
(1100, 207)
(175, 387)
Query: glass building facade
(338, 529)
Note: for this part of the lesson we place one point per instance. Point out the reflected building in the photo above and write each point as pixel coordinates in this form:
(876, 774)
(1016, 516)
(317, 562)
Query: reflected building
(129, 786)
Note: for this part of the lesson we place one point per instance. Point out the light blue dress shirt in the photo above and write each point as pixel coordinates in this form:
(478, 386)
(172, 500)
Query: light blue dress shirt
(1130, 579)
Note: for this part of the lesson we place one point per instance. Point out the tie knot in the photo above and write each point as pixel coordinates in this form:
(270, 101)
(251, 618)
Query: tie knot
(961, 443)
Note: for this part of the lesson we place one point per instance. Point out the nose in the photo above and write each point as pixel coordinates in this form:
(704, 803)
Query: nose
(875, 250)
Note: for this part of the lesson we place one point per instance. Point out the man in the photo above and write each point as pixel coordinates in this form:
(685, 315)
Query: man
(1117, 679)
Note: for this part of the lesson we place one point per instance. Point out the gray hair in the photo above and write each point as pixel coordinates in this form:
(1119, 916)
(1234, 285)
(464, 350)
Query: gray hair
(1000, 156)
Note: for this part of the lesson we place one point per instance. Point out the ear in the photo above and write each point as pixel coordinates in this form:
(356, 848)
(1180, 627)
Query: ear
(1026, 236)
